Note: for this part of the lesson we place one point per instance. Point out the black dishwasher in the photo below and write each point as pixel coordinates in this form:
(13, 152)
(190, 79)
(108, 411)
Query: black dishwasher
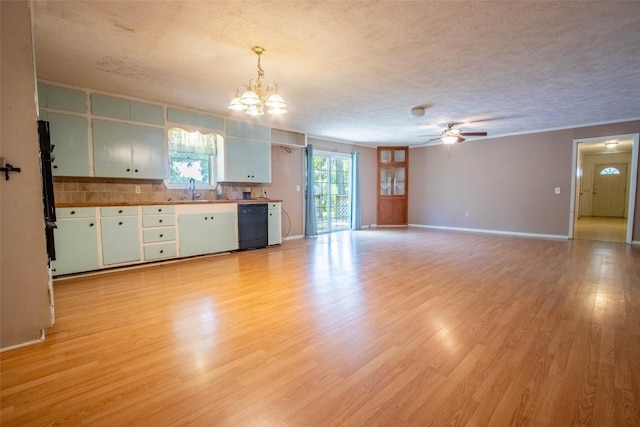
(253, 226)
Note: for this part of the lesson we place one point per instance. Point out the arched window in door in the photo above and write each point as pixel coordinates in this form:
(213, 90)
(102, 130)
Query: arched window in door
(610, 171)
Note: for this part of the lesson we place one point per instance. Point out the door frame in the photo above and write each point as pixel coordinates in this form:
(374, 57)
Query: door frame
(331, 154)
(633, 178)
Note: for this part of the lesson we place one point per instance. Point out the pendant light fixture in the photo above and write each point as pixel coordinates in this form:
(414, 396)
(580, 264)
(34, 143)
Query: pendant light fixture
(253, 98)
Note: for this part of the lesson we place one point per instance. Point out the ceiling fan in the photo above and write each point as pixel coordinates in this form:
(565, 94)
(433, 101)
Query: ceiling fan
(450, 135)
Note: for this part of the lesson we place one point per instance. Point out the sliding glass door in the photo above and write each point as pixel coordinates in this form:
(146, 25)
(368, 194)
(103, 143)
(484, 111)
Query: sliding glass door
(332, 191)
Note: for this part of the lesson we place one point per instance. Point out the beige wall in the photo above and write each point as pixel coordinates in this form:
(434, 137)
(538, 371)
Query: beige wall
(23, 261)
(287, 172)
(368, 175)
(506, 184)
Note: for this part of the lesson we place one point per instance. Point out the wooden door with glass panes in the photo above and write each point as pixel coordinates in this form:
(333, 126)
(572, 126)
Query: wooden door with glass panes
(393, 185)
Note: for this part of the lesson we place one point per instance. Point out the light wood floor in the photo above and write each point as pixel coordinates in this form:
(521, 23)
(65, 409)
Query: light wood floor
(379, 327)
(601, 228)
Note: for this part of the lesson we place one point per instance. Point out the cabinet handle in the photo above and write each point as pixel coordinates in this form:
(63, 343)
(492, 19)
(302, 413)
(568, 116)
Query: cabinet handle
(161, 251)
(53, 269)
(160, 210)
(206, 218)
(161, 235)
(55, 166)
(120, 223)
(160, 220)
(128, 170)
(135, 170)
(91, 225)
(120, 211)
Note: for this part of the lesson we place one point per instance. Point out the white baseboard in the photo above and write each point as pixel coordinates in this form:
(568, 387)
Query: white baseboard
(498, 232)
(23, 344)
(299, 236)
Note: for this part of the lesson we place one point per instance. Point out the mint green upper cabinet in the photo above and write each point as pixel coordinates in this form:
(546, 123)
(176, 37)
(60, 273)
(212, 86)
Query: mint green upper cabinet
(60, 98)
(243, 160)
(176, 115)
(147, 113)
(247, 130)
(123, 150)
(124, 109)
(109, 106)
(148, 153)
(69, 135)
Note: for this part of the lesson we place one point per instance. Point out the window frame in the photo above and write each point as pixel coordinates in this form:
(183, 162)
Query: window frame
(213, 182)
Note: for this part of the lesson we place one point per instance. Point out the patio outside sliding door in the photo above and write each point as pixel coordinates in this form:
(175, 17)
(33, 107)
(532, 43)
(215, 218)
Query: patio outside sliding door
(332, 191)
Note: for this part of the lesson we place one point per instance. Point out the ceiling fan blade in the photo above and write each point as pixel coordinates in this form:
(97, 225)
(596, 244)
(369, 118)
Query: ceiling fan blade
(461, 139)
(473, 133)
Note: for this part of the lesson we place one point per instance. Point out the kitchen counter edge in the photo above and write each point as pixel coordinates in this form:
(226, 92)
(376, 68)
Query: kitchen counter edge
(172, 202)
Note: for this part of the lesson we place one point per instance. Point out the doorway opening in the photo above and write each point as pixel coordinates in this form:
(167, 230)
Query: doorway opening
(604, 188)
(332, 191)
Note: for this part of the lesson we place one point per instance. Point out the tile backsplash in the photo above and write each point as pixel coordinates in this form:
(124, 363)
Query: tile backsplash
(116, 190)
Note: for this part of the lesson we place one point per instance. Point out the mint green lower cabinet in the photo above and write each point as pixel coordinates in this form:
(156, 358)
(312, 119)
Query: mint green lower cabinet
(207, 233)
(76, 246)
(194, 234)
(275, 224)
(120, 240)
(223, 232)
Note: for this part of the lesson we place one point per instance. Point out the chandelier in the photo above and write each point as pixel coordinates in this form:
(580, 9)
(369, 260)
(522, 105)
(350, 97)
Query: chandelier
(253, 98)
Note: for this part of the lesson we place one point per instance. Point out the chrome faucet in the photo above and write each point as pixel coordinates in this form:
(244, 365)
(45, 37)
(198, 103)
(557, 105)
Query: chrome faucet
(192, 187)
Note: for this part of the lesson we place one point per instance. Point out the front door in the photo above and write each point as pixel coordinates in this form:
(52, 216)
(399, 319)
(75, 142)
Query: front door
(609, 190)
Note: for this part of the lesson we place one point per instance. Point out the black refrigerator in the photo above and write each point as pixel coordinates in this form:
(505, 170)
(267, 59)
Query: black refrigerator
(48, 202)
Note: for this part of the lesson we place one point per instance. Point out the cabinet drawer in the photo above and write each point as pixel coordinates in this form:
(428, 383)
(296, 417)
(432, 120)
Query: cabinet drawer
(274, 206)
(119, 211)
(158, 235)
(158, 220)
(157, 210)
(75, 213)
(159, 251)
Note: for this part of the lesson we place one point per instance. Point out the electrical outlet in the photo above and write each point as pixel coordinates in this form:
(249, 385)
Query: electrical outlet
(557, 190)
(297, 188)
(137, 189)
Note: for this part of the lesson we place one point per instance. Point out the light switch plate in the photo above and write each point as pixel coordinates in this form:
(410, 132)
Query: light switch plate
(557, 190)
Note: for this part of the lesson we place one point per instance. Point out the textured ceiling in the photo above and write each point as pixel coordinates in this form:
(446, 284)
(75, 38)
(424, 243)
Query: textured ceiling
(352, 70)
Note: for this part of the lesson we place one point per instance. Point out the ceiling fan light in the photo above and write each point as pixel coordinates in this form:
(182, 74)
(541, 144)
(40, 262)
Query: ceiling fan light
(450, 139)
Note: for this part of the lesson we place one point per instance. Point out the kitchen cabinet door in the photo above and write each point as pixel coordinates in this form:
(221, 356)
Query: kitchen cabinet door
(69, 136)
(123, 150)
(223, 234)
(76, 246)
(194, 234)
(275, 224)
(120, 239)
(112, 149)
(244, 160)
(148, 153)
